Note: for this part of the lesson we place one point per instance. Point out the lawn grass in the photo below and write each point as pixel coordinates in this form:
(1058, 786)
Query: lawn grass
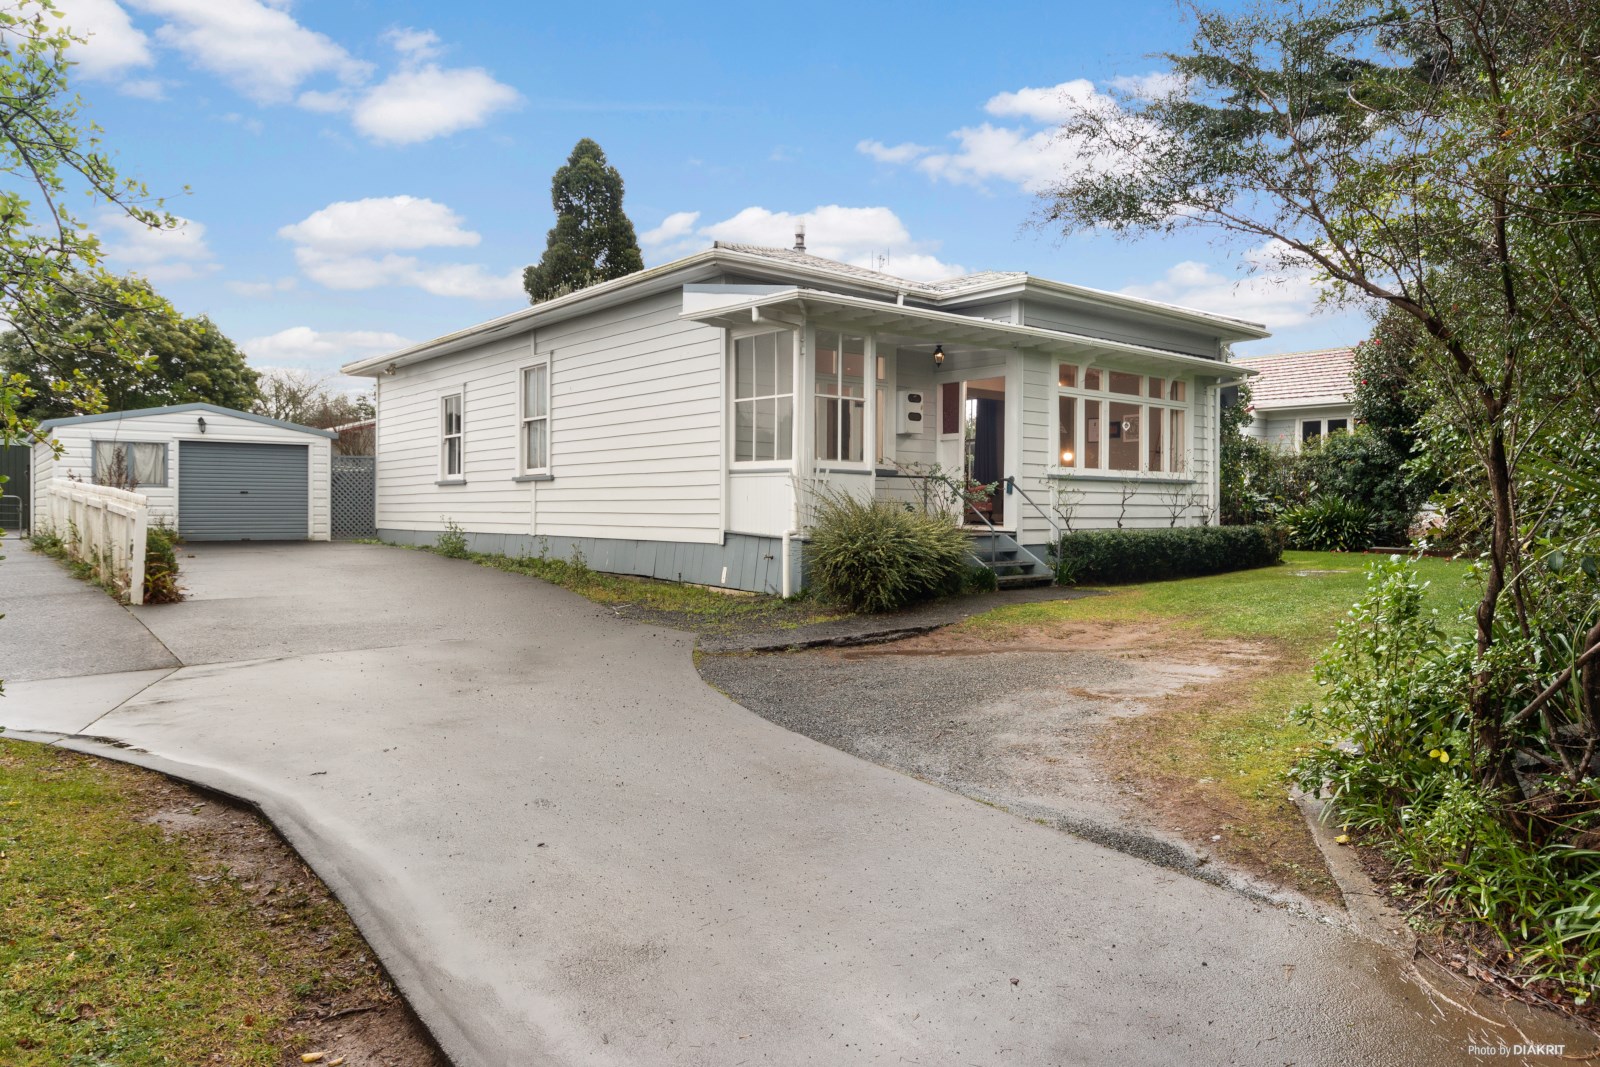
(1219, 761)
(120, 945)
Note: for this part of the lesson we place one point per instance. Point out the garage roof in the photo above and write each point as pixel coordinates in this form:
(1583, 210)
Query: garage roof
(179, 409)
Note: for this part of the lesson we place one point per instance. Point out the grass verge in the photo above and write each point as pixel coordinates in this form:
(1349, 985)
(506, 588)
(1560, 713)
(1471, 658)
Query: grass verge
(677, 604)
(147, 924)
(1214, 761)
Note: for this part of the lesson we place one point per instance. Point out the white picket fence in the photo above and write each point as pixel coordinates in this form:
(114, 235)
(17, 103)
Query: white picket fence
(101, 526)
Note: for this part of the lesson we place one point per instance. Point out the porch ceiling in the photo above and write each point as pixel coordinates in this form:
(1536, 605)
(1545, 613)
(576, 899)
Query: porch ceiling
(925, 326)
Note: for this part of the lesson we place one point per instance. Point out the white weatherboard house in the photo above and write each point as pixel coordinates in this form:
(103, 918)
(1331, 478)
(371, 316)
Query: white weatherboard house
(212, 473)
(1300, 396)
(675, 422)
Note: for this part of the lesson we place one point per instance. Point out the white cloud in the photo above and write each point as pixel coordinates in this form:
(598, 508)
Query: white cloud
(301, 347)
(429, 101)
(355, 244)
(385, 222)
(674, 227)
(1151, 86)
(872, 237)
(1280, 292)
(144, 88)
(1032, 155)
(112, 45)
(418, 44)
(256, 46)
(900, 153)
(162, 255)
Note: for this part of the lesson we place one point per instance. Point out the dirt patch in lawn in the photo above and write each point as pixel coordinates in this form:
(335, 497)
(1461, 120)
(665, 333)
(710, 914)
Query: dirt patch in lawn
(355, 1014)
(1059, 723)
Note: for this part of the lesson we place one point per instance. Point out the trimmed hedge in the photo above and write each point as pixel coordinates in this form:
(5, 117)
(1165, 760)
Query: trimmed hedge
(1112, 556)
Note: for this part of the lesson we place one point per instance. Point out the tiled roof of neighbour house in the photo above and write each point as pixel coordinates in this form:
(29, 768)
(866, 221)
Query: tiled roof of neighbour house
(1298, 379)
(944, 287)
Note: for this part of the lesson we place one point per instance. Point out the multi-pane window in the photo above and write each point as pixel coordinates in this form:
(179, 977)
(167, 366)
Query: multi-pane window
(129, 464)
(763, 398)
(840, 382)
(450, 435)
(536, 418)
(1139, 428)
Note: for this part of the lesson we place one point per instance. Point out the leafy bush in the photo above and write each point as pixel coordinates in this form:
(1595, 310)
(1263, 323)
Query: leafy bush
(452, 543)
(161, 565)
(1328, 523)
(879, 556)
(1398, 758)
(1174, 552)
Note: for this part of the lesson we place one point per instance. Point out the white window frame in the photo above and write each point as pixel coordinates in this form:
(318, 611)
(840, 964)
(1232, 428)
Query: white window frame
(784, 361)
(1175, 464)
(869, 365)
(460, 436)
(524, 418)
(131, 464)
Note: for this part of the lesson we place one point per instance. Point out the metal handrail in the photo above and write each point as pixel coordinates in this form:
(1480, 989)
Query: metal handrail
(966, 505)
(1013, 487)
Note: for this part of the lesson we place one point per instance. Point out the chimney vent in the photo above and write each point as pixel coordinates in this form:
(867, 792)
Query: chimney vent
(800, 237)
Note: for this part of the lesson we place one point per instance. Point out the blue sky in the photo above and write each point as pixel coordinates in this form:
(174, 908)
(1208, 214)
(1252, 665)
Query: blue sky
(367, 174)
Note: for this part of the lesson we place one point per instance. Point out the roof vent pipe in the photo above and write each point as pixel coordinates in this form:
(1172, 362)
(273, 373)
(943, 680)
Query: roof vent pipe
(800, 236)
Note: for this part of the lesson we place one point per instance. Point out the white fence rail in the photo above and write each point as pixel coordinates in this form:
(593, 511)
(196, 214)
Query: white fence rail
(100, 526)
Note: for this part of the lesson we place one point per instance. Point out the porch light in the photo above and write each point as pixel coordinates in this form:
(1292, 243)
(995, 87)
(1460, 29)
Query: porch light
(938, 355)
(1066, 457)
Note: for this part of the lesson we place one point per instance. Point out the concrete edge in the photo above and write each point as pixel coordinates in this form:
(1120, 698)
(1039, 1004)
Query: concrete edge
(1367, 908)
(390, 953)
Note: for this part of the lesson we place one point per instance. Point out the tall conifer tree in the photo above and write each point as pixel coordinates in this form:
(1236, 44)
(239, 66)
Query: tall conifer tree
(592, 240)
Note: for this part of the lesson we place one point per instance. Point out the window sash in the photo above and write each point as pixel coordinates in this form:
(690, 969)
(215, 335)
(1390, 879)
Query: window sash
(839, 376)
(450, 435)
(535, 436)
(763, 404)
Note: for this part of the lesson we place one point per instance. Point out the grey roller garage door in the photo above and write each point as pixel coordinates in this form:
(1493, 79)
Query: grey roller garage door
(241, 492)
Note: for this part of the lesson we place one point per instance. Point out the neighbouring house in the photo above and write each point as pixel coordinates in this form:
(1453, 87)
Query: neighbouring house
(1298, 396)
(677, 422)
(212, 473)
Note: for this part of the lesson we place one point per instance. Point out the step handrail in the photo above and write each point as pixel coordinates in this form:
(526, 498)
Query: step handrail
(1013, 487)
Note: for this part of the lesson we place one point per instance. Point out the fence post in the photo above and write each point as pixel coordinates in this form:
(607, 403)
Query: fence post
(136, 560)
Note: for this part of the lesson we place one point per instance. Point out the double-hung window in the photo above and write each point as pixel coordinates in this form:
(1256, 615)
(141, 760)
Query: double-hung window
(129, 464)
(1118, 421)
(450, 436)
(841, 398)
(535, 419)
(763, 398)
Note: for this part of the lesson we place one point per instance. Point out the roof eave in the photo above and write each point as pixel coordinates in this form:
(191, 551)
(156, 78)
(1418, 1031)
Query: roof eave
(1226, 328)
(180, 409)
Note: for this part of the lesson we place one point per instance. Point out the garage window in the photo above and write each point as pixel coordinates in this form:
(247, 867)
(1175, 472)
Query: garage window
(450, 435)
(126, 464)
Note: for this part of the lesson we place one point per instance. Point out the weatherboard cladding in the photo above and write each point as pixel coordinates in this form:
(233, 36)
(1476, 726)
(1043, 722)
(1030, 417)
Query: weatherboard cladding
(1297, 378)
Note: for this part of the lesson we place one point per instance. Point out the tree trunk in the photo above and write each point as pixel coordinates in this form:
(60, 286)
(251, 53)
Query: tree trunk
(1495, 766)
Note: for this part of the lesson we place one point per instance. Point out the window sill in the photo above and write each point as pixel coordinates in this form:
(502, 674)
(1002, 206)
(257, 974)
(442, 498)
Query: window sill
(738, 468)
(534, 478)
(1066, 474)
(844, 470)
(451, 481)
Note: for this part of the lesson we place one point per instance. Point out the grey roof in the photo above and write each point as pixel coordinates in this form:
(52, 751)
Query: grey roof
(944, 287)
(179, 409)
(1290, 379)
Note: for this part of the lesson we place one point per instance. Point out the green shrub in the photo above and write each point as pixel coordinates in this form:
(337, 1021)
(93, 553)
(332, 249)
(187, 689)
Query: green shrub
(161, 565)
(878, 556)
(1328, 523)
(1176, 552)
(452, 543)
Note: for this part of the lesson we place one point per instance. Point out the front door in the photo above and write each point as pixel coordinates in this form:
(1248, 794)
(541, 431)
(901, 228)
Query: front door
(972, 442)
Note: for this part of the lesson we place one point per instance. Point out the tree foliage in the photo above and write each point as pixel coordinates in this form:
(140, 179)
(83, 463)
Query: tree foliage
(124, 347)
(593, 240)
(1439, 159)
(51, 155)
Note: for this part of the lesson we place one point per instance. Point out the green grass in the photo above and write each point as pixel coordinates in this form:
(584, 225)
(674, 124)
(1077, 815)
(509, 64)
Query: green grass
(112, 948)
(1230, 747)
(1299, 602)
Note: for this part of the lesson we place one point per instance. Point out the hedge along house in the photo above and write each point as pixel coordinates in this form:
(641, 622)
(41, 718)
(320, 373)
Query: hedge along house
(1300, 396)
(677, 422)
(212, 473)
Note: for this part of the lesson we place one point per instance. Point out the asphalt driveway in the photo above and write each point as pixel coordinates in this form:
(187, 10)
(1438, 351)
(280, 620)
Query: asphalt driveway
(568, 850)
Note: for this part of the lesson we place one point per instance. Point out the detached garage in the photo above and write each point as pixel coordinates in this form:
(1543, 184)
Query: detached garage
(212, 473)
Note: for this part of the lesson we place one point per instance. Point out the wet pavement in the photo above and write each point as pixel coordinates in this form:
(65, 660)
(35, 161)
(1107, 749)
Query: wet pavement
(568, 850)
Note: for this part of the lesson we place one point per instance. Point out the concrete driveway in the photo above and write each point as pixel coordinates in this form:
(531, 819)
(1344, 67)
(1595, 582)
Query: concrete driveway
(568, 850)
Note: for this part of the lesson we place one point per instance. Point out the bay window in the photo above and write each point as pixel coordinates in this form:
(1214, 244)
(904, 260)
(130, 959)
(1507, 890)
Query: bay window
(763, 398)
(1138, 429)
